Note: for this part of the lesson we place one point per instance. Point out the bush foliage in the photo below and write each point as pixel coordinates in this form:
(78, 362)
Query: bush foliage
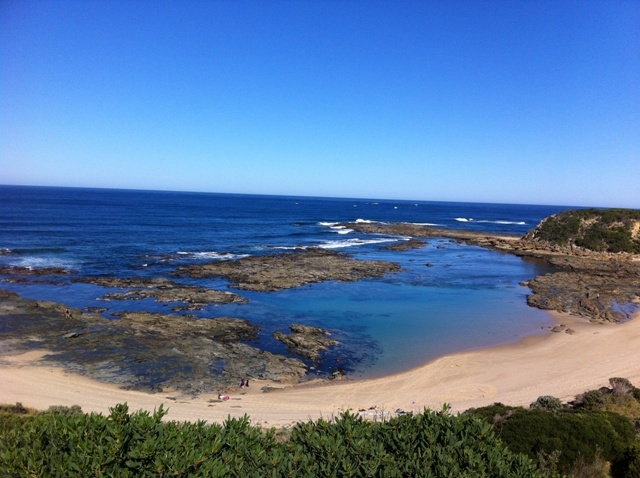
(572, 439)
(607, 230)
(583, 438)
(140, 444)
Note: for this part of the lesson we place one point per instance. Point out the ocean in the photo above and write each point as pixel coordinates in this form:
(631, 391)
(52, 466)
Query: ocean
(467, 298)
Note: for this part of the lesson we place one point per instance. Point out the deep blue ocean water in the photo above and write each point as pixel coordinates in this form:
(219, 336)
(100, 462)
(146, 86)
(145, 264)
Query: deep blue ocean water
(469, 298)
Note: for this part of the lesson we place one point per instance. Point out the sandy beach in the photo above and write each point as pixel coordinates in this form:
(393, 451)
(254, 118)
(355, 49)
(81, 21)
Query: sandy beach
(559, 364)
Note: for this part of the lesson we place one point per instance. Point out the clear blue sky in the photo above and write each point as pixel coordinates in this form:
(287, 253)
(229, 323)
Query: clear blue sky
(487, 101)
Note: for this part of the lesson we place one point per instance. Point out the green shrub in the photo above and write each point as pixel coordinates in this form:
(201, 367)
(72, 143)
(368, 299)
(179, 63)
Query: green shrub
(64, 410)
(607, 230)
(630, 465)
(427, 444)
(577, 435)
(140, 444)
(593, 400)
(17, 409)
(12, 416)
(547, 402)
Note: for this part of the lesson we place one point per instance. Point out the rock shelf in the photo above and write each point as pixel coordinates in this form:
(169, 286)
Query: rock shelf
(289, 270)
(162, 290)
(151, 352)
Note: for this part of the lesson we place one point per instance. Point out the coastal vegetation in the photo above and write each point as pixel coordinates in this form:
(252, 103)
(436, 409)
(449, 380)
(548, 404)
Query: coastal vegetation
(593, 436)
(140, 444)
(602, 230)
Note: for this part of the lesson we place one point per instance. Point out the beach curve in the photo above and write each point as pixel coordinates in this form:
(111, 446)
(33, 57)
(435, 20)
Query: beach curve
(558, 364)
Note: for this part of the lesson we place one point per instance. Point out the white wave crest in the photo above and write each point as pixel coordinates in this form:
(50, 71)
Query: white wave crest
(221, 256)
(336, 227)
(368, 221)
(486, 221)
(422, 223)
(33, 262)
(355, 242)
(341, 229)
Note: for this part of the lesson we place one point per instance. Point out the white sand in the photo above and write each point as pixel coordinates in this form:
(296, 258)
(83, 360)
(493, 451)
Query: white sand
(558, 364)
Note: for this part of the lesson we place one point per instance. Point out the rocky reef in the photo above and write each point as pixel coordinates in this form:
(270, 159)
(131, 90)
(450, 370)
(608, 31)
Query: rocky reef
(602, 289)
(162, 290)
(32, 271)
(154, 352)
(306, 340)
(406, 245)
(289, 270)
(151, 352)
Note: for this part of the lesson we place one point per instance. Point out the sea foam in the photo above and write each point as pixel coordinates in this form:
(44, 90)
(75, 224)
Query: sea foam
(221, 256)
(355, 242)
(464, 219)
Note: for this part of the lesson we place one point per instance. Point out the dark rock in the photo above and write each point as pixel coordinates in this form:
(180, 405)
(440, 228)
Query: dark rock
(306, 340)
(95, 310)
(289, 270)
(32, 271)
(405, 245)
(143, 351)
(596, 295)
(163, 290)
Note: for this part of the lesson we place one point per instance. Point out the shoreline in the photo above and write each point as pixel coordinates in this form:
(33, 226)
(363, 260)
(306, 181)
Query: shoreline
(558, 363)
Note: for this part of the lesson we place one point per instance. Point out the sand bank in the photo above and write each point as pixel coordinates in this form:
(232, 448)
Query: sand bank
(558, 364)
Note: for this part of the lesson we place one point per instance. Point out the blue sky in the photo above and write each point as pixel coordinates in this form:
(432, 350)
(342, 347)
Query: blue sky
(485, 101)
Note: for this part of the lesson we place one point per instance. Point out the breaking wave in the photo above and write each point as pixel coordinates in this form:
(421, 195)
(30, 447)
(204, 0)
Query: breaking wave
(470, 219)
(422, 223)
(220, 256)
(355, 242)
(35, 262)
